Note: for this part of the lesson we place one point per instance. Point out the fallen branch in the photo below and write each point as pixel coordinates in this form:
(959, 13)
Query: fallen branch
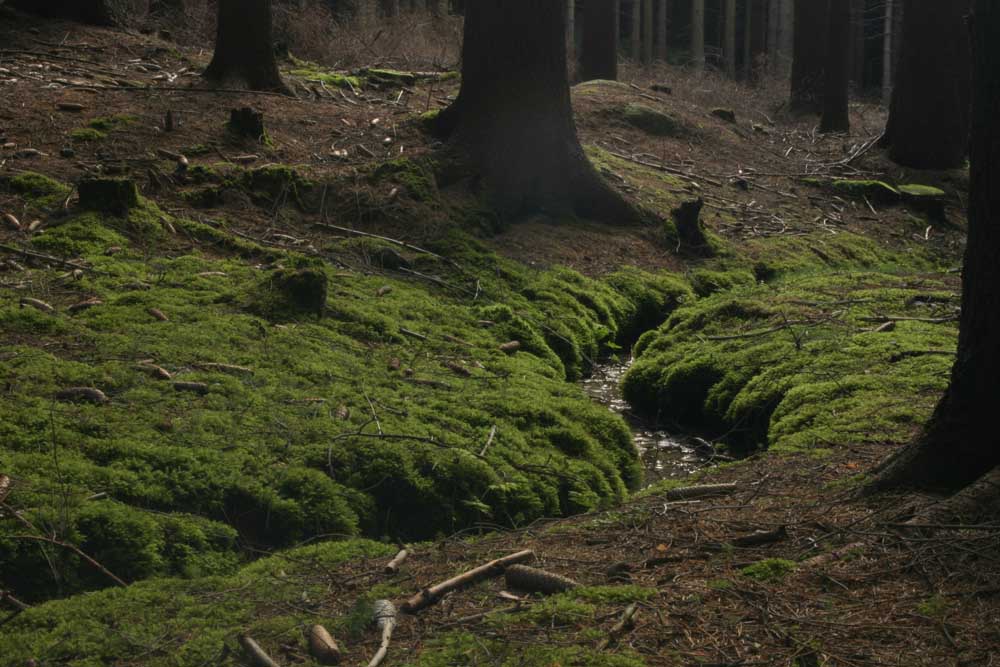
(393, 566)
(385, 620)
(760, 332)
(75, 549)
(47, 258)
(700, 491)
(832, 556)
(533, 580)
(256, 654)
(494, 568)
(900, 318)
(761, 537)
(489, 441)
(624, 625)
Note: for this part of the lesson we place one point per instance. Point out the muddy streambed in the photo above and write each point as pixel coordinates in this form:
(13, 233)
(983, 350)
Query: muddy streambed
(665, 454)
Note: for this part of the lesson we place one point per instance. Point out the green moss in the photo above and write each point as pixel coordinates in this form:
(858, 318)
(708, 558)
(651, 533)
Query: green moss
(109, 123)
(86, 134)
(796, 365)
(39, 192)
(612, 595)
(313, 72)
(772, 569)
(391, 76)
(651, 121)
(921, 191)
(417, 176)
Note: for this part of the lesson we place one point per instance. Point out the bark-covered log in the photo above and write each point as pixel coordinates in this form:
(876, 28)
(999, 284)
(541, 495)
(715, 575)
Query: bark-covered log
(700, 491)
(533, 580)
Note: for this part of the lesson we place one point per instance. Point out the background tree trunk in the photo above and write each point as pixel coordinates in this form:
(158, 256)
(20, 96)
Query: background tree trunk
(648, 33)
(962, 442)
(96, 12)
(698, 34)
(757, 38)
(635, 31)
(928, 124)
(786, 38)
(599, 50)
(837, 75)
(512, 124)
(729, 41)
(244, 49)
(887, 51)
(809, 61)
(571, 30)
(662, 29)
(857, 49)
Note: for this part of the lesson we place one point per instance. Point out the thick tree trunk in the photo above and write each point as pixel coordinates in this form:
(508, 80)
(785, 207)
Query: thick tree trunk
(809, 61)
(512, 124)
(729, 44)
(244, 49)
(773, 21)
(698, 34)
(837, 75)
(648, 33)
(962, 441)
(96, 12)
(599, 57)
(928, 124)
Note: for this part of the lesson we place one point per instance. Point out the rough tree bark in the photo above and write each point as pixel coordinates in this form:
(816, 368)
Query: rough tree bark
(809, 59)
(928, 125)
(857, 50)
(756, 36)
(961, 443)
(786, 37)
(887, 51)
(837, 74)
(599, 56)
(244, 49)
(512, 127)
(698, 34)
(571, 29)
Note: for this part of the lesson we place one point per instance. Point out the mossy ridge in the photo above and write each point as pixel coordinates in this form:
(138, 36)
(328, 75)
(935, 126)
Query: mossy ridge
(38, 191)
(177, 622)
(797, 365)
(264, 451)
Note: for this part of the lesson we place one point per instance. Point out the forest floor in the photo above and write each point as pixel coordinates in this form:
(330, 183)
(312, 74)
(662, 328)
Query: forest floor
(822, 326)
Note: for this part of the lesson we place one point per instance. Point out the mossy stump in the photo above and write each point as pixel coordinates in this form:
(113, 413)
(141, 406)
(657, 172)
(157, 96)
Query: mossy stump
(111, 195)
(295, 291)
(247, 123)
(690, 233)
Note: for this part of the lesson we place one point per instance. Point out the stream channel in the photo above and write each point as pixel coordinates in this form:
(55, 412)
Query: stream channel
(664, 455)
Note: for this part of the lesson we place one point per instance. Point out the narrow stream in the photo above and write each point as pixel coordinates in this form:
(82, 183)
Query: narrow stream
(665, 455)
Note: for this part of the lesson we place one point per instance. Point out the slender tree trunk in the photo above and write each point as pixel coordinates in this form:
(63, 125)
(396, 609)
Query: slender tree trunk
(648, 32)
(787, 39)
(512, 125)
(773, 22)
(244, 47)
(599, 50)
(698, 34)
(928, 124)
(662, 29)
(837, 76)
(729, 45)
(962, 442)
(635, 31)
(809, 60)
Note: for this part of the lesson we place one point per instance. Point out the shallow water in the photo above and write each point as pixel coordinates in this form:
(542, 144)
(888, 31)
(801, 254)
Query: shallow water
(665, 455)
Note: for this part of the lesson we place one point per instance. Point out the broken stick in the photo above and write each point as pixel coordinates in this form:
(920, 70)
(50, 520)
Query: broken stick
(494, 568)
(385, 621)
(393, 566)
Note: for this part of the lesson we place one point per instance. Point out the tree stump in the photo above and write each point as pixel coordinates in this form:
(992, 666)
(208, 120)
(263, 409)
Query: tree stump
(290, 292)
(690, 233)
(111, 195)
(247, 123)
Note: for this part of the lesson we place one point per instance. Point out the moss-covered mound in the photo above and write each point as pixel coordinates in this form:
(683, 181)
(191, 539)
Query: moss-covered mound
(264, 398)
(806, 362)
